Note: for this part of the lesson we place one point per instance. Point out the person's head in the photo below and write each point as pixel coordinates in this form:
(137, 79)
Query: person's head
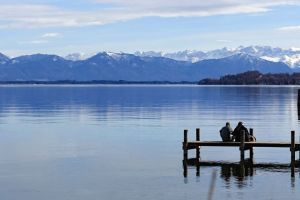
(240, 123)
(227, 124)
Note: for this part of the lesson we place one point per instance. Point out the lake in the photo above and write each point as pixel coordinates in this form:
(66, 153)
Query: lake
(125, 142)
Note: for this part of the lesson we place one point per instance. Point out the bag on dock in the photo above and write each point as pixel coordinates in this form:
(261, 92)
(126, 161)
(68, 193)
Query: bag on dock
(252, 138)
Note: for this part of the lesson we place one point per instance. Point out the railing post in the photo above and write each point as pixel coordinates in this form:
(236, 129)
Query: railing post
(242, 147)
(198, 152)
(292, 153)
(185, 152)
(251, 148)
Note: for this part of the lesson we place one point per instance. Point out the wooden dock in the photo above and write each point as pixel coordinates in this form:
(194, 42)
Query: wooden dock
(243, 146)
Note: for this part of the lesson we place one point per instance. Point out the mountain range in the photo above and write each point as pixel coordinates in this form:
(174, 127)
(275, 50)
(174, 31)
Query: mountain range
(291, 56)
(135, 67)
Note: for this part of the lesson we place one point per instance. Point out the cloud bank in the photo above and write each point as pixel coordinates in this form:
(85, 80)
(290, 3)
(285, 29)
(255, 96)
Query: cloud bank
(20, 15)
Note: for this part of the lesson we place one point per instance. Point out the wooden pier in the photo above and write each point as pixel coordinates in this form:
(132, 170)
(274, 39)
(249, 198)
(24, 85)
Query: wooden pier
(243, 146)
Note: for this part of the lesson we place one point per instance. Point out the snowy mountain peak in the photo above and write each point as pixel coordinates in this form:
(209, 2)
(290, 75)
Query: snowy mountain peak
(244, 57)
(295, 49)
(250, 50)
(3, 58)
(121, 55)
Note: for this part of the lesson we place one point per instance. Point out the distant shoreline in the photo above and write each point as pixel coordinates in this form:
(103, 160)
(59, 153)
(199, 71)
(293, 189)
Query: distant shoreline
(102, 82)
(254, 78)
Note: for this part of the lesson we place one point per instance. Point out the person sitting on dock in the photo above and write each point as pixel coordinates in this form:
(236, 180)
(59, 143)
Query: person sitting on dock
(237, 133)
(226, 132)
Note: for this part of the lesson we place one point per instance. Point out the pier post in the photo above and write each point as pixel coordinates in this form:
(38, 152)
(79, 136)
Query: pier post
(198, 147)
(298, 101)
(242, 147)
(251, 148)
(198, 152)
(292, 153)
(298, 104)
(185, 152)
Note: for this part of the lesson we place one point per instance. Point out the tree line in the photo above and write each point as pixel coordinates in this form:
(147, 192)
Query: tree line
(254, 78)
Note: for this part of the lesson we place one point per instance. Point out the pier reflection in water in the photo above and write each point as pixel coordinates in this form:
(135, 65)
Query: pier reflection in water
(239, 173)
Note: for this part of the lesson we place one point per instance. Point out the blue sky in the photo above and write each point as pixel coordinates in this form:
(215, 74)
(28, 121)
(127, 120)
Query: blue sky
(89, 26)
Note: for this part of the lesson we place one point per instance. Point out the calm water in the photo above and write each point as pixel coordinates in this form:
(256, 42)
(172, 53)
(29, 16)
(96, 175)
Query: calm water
(124, 142)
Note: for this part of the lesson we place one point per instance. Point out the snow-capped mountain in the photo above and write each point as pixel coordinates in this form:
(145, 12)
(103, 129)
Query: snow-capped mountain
(3, 58)
(291, 56)
(293, 61)
(238, 63)
(187, 55)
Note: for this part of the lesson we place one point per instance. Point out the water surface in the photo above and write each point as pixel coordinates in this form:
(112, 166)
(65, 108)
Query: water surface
(124, 142)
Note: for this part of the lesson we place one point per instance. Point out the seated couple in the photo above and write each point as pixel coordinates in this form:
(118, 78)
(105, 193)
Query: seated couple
(228, 135)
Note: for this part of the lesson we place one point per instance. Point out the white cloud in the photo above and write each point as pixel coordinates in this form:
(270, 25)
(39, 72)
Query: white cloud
(35, 42)
(224, 41)
(50, 35)
(35, 15)
(289, 28)
(194, 3)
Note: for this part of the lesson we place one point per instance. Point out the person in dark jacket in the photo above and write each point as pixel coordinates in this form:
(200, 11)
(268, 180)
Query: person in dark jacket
(226, 132)
(237, 133)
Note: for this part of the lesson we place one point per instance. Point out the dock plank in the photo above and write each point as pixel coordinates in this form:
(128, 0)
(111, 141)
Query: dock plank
(194, 144)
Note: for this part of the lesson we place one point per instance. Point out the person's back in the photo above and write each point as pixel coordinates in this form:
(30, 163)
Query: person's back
(237, 133)
(225, 133)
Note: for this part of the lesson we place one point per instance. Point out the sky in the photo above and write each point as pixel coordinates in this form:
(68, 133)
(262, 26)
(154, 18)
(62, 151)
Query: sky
(90, 26)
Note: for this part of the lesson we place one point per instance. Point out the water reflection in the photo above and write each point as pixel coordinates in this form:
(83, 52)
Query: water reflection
(238, 173)
(47, 99)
